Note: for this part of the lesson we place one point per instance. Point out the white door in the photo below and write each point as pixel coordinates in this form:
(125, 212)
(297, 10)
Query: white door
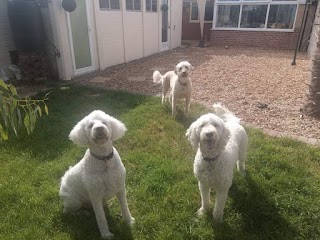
(82, 37)
(165, 25)
(176, 24)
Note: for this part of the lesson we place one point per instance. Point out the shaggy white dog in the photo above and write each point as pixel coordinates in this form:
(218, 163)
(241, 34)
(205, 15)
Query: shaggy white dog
(100, 175)
(221, 142)
(179, 82)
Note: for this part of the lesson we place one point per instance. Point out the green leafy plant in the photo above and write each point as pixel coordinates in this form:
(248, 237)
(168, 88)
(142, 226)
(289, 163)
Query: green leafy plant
(16, 112)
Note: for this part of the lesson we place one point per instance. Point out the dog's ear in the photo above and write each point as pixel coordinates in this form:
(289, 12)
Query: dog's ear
(224, 137)
(176, 70)
(78, 134)
(190, 66)
(192, 135)
(118, 128)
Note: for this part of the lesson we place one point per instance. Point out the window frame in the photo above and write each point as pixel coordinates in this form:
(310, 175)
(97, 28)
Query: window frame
(150, 11)
(197, 21)
(110, 9)
(134, 10)
(254, 2)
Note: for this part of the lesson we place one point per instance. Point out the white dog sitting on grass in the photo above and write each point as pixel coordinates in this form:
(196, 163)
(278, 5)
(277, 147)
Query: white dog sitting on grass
(179, 82)
(100, 175)
(221, 142)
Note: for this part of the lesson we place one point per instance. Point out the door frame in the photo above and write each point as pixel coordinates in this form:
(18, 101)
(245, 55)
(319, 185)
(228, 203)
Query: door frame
(92, 41)
(164, 46)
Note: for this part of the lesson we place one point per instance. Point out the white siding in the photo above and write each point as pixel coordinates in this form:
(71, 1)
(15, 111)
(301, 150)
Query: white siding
(110, 38)
(133, 36)
(6, 41)
(151, 33)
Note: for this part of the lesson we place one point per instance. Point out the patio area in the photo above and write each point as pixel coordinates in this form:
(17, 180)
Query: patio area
(259, 85)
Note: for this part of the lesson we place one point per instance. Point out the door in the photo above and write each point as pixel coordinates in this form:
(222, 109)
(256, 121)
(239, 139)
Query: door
(82, 37)
(165, 25)
(175, 24)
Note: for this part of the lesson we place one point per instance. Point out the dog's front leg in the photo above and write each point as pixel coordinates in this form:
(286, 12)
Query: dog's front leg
(205, 198)
(221, 198)
(126, 215)
(187, 104)
(101, 218)
(174, 104)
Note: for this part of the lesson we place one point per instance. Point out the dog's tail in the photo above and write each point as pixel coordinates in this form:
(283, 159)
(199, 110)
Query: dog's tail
(157, 77)
(224, 113)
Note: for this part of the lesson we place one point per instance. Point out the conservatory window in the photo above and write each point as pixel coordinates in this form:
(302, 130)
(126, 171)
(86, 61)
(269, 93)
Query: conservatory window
(208, 14)
(258, 14)
(109, 4)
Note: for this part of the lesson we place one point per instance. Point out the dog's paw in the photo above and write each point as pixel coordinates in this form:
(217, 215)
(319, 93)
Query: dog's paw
(201, 212)
(107, 235)
(130, 221)
(217, 218)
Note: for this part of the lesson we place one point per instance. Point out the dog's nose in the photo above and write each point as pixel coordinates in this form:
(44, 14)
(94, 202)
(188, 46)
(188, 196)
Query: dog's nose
(209, 134)
(99, 129)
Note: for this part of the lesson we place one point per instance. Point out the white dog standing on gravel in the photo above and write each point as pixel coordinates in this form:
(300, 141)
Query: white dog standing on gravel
(100, 175)
(221, 142)
(179, 82)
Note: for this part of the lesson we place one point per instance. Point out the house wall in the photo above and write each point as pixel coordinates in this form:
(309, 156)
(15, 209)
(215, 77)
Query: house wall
(133, 35)
(6, 41)
(109, 37)
(121, 36)
(272, 39)
(191, 30)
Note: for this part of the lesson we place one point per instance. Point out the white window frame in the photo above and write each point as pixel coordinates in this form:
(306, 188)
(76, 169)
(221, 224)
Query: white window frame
(110, 9)
(197, 21)
(133, 10)
(254, 2)
(150, 11)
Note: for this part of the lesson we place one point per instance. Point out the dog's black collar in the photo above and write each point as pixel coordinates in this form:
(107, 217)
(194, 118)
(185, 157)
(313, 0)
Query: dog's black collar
(207, 159)
(183, 84)
(102, 158)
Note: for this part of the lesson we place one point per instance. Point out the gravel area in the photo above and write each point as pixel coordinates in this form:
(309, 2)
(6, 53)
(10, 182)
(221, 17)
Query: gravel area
(259, 85)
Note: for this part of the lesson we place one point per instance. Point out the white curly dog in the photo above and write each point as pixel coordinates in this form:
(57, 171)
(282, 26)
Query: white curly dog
(179, 82)
(100, 175)
(221, 142)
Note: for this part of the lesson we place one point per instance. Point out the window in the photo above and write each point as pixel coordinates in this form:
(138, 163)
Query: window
(259, 14)
(109, 4)
(228, 16)
(281, 16)
(133, 5)
(151, 5)
(208, 15)
(253, 16)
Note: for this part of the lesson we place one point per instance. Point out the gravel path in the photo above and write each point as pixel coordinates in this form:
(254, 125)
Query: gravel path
(259, 85)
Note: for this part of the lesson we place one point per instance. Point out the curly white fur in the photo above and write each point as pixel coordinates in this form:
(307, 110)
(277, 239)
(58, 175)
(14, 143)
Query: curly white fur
(95, 179)
(179, 82)
(221, 142)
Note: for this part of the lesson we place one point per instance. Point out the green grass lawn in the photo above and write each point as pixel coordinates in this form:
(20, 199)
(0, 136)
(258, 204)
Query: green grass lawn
(279, 199)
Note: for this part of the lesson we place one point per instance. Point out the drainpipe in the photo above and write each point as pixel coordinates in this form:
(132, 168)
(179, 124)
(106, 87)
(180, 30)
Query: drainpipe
(301, 30)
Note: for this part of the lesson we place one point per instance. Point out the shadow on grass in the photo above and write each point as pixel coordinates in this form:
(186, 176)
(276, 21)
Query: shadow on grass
(66, 108)
(84, 226)
(260, 217)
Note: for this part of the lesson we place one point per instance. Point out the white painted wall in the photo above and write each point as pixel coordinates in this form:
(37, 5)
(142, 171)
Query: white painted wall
(133, 35)
(109, 37)
(151, 33)
(6, 41)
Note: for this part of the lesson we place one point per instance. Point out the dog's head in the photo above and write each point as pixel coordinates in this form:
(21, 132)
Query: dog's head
(183, 69)
(208, 131)
(97, 128)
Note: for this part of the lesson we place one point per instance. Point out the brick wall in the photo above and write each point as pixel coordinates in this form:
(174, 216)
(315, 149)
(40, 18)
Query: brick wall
(281, 40)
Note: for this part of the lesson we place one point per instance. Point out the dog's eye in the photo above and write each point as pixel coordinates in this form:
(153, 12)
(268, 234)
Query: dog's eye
(180, 68)
(215, 124)
(90, 125)
(104, 123)
(186, 67)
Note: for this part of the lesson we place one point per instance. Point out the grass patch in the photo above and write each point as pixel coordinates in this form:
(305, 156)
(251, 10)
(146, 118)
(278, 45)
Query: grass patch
(279, 199)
